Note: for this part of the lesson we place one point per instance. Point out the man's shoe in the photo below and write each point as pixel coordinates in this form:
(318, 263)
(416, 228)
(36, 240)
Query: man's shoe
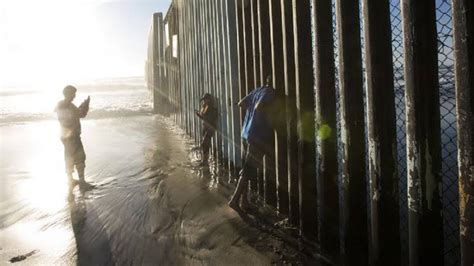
(84, 185)
(234, 205)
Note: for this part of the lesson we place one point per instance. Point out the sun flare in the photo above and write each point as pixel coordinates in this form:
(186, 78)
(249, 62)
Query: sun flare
(53, 42)
(47, 189)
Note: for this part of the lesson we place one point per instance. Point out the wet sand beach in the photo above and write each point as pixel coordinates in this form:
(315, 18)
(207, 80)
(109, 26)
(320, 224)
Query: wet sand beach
(151, 205)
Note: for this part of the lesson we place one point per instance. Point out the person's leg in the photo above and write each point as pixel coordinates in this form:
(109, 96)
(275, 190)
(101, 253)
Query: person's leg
(80, 160)
(205, 146)
(242, 185)
(68, 159)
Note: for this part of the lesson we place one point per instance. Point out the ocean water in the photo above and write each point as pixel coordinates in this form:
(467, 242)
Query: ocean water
(115, 97)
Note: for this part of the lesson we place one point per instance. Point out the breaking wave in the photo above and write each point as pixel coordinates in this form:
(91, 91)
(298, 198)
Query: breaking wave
(109, 98)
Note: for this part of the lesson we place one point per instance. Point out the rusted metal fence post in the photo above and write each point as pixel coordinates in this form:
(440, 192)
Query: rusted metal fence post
(281, 169)
(221, 88)
(184, 71)
(264, 47)
(227, 88)
(354, 244)
(290, 104)
(248, 50)
(249, 62)
(423, 133)
(184, 67)
(161, 64)
(168, 65)
(228, 84)
(193, 82)
(156, 30)
(204, 48)
(382, 139)
(255, 49)
(305, 116)
(241, 70)
(326, 128)
(257, 80)
(217, 76)
(181, 66)
(234, 81)
(209, 80)
(213, 72)
(170, 77)
(463, 16)
(189, 70)
(200, 43)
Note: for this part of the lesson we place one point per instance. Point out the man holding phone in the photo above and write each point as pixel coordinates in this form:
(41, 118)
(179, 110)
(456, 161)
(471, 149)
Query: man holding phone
(69, 118)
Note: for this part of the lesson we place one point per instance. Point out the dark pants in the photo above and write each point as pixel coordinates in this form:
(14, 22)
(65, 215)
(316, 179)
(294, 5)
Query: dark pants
(74, 155)
(253, 160)
(252, 164)
(206, 143)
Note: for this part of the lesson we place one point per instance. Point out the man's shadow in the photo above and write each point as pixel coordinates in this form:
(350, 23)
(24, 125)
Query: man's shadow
(92, 243)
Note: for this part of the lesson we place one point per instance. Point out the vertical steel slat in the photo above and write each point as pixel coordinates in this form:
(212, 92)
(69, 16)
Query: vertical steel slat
(264, 47)
(354, 208)
(326, 128)
(382, 139)
(278, 74)
(305, 119)
(463, 17)
(425, 227)
(290, 104)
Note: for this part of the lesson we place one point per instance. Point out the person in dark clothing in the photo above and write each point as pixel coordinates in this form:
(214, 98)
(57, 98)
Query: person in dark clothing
(208, 115)
(257, 132)
(69, 119)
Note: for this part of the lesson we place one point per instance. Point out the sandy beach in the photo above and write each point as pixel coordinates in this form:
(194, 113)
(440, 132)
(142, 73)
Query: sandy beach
(151, 204)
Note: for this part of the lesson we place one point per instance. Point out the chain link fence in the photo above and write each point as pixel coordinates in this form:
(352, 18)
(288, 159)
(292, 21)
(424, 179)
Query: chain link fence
(450, 194)
(448, 132)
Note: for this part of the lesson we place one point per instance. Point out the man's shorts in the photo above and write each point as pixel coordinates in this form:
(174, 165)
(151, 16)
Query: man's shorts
(74, 154)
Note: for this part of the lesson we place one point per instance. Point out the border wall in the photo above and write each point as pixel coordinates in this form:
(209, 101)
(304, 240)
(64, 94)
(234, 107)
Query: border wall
(373, 157)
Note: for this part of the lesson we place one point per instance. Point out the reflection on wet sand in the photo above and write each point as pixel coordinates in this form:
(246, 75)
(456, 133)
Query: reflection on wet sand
(151, 204)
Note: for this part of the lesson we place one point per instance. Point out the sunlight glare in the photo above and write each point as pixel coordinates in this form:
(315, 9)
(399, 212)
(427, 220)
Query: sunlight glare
(47, 189)
(52, 42)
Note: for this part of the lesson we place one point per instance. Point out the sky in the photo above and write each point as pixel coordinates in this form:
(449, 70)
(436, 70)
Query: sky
(51, 42)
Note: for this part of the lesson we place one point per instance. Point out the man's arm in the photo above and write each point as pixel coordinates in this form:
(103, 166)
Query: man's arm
(244, 102)
(198, 114)
(84, 107)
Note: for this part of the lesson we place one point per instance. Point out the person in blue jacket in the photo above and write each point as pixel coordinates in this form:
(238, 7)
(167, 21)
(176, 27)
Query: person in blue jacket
(257, 131)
